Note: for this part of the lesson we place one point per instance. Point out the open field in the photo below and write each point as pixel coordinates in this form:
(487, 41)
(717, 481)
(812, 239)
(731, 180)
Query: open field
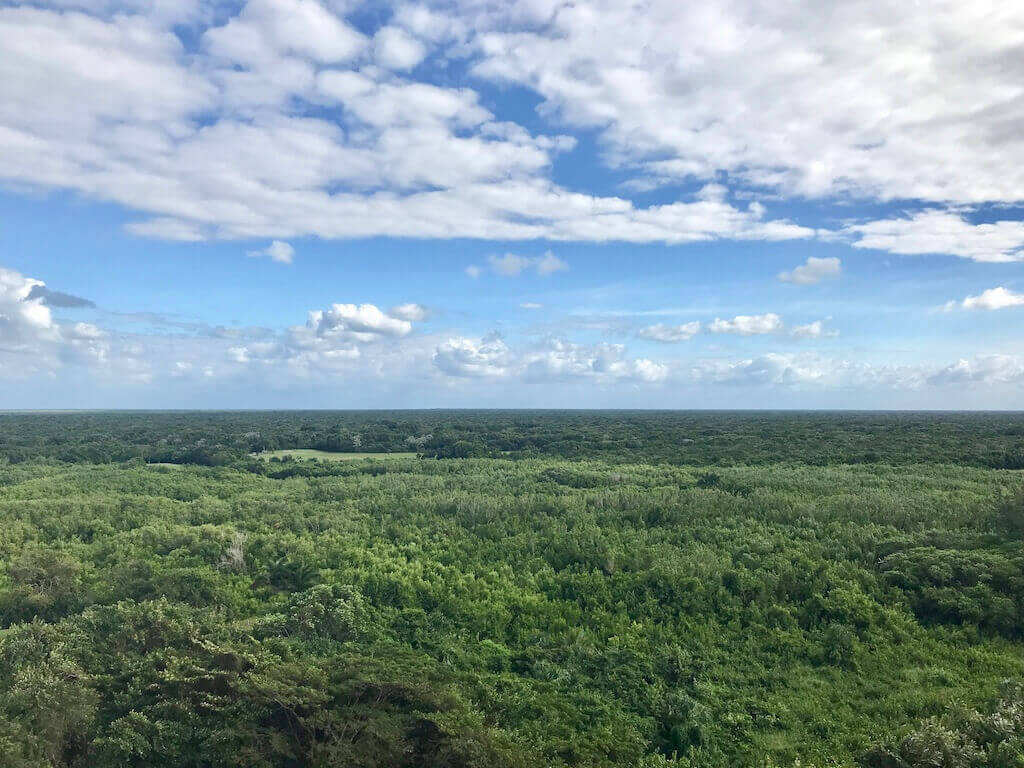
(309, 453)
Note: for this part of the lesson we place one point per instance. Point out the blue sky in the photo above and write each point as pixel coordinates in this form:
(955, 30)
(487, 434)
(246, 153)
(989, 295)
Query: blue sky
(317, 203)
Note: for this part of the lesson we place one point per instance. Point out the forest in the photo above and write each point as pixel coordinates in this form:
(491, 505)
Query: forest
(512, 589)
(214, 438)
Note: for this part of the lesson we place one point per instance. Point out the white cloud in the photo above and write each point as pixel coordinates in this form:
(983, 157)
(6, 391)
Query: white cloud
(32, 343)
(815, 330)
(301, 27)
(219, 142)
(395, 48)
(531, 305)
(649, 370)
(748, 325)
(550, 360)
(769, 369)
(344, 340)
(512, 265)
(277, 251)
(65, 76)
(357, 321)
(814, 270)
(24, 322)
(670, 333)
(414, 313)
(805, 371)
(369, 349)
(461, 356)
(896, 100)
(473, 271)
(934, 231)
(559, 359)
(983, 369)
(993, 298)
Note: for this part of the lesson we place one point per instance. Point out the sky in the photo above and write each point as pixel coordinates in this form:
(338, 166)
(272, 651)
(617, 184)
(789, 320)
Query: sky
(511, 203)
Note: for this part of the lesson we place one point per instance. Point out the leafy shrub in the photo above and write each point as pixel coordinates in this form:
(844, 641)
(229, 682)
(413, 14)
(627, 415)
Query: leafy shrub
(45, 583)
(989, 738)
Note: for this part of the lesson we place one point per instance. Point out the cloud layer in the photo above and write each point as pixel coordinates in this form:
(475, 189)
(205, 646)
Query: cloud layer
(879, 100)
(286, 120)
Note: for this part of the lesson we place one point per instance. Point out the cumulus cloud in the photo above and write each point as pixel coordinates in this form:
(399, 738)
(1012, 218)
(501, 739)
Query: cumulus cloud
(814, 270)
(993, 298)
(512, 265)
(473, 271)
(280, 118)
(670, 333)
(807, 371)
(32, 343)
(364, 320)
(803, 99)
(771, 368)
(550, 360)
(301, 27)
(748, 325)
(280, 252)
(462, 356)
(983, 369)
(362, 343)
(936, 231)
(275, 124)
(559, 359)
(25, 319)
(649, 370)
(815, 330)
(395, 48)
(277, 251)
(342, 340)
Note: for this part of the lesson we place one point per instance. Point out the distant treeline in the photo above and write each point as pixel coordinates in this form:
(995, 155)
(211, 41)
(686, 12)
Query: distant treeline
(994, 440)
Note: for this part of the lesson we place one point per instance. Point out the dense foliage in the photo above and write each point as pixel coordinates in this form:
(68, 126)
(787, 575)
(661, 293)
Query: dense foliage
(677, 437)
(489, 612)
(992, 737)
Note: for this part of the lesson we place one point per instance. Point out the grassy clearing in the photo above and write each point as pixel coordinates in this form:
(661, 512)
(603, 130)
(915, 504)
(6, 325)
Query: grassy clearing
(309, 453)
